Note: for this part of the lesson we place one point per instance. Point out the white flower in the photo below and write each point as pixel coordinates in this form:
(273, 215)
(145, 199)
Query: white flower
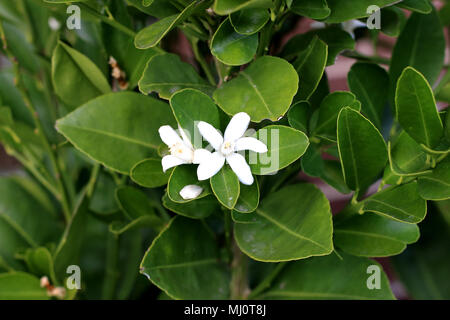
(348, 26)
(226, 149)
(351, 25)
(181, 149)
(54, 24)
(190, 192)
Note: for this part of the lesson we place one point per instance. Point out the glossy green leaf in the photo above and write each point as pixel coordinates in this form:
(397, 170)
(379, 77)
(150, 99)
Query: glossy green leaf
(152, 35)
(402, 203)
(336, 39)
(248, 198)
(427, 258)
(103, 200)
(21, 286)
(249, 21)
(370, 84)
(148, 173)
(197, 209)
(75, 77)
(12, 98)
(310, 280)
(182, 176)
(118, 129)
(371, 235)
(362, 150)
(298, 116)
(134, 202)
(183, 261)
(421, 6)
(436, 185)
(285, 145)
(326, 123)
(406, 156)
(69, 248)
(392, 21)
(343, 10)
(314, 9)
(19, 197)
(310, 66)
(421, 32)
(416, 108)
(224, 7)
(167, 74)
(281, 219)
(225, 186)
(233, 48)
(40, 262)
(158, 8)
(191, 106)
(264, 90)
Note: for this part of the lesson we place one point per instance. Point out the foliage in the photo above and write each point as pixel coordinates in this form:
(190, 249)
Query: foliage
(83, 111)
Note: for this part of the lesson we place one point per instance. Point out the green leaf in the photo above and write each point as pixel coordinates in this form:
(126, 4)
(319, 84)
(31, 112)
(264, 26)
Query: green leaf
(343, 10)
(133, 202)
(331, 105)
(422, 32)
(76, 79)
(285, 145)
(21, 286)
(406, 156)
(166, 74)
(149, 174)
(197, 209)
(371, 235)
(336, 39)
(402, 203)
(225, 186)
(392, 21)
(314, 9)
(436, 185)
(370, 84)
(183, 261)
(224, 7)
(264, 90)
(362, 149)
(427, 258)
(298, 116)
(69, 248)
(103, 200)
(416, 108)
(40, 263)
(421, 6)
(11, 97)
(233, 48)
(310, 280)
(248, 198)
(249, 21)
(310, 66)
(182, 176)
(118, 129)
(19, 197)
(191, 106)
(281, 219)
(152, 35)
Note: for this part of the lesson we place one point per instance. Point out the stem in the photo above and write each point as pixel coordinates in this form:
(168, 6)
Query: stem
(111, 273)
(228, 226)
(62, 196)
(201, 60)
(239, 282)
(359, 56)
(108, 20)
(265, 284)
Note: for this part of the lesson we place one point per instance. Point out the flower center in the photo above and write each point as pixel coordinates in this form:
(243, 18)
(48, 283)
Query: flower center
(227, 148)
(183, 152)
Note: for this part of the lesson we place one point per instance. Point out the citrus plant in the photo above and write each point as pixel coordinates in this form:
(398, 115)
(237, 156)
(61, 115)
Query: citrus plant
(174, 149)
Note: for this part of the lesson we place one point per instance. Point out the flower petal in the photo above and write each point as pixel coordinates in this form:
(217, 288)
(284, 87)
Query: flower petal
(237, 126)
(210, 134)
(190, 192)
(201, 155)
(248, 143)
(209, 168)
(169, 136)
(241, 168)
(171, 161)
(183, 135)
